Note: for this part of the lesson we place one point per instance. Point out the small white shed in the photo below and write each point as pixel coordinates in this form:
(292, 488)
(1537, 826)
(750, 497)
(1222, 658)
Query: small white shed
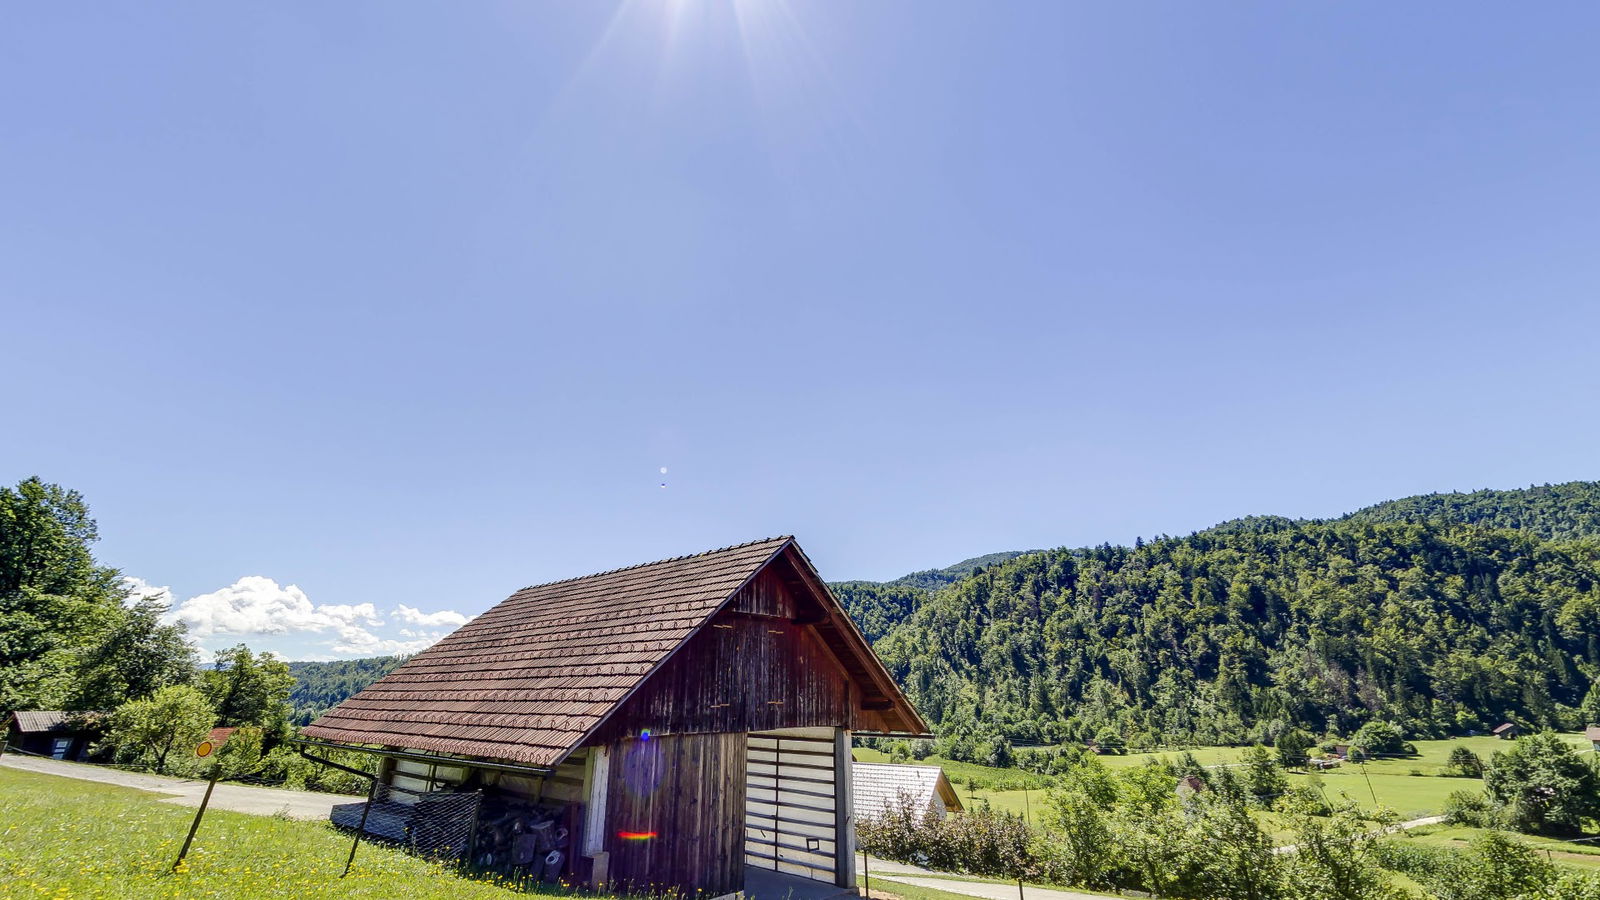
(880, 786)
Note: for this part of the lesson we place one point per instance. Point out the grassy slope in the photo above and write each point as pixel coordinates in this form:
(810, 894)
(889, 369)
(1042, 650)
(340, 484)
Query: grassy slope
(61, 837)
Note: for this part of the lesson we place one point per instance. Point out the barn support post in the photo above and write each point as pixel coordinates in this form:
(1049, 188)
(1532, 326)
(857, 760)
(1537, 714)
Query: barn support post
(597, 771)
(844, 803)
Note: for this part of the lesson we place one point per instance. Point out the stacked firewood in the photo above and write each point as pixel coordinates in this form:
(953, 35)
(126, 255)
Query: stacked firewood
(521, 840)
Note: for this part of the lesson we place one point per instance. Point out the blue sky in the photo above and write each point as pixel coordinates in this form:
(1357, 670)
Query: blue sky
(408, 304)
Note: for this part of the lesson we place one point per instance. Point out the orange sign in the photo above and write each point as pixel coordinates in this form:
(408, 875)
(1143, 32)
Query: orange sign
(204, 749)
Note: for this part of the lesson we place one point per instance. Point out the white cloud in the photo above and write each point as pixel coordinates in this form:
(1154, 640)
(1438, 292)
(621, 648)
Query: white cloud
(139, 589)
(256, 604)
(367, 644)
(433, 620)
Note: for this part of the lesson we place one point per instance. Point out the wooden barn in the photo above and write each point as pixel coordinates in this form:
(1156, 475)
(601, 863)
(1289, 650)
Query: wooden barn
(659, 727)
(56, 734)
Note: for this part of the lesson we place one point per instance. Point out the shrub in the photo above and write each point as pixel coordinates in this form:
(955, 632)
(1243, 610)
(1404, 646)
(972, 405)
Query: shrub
(1543, 785)
(1494, 867)
(1469, 808)
(1379, 737)
(979, 842)
(1464, 763)
(162, 730)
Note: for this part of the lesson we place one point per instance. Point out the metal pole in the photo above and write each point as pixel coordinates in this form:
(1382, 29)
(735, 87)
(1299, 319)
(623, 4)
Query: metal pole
(1369, 782)
(362, 828)
(195, 825)
(866, 873)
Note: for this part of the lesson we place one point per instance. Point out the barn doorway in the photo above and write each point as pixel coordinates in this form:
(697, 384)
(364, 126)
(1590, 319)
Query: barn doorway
(792, 803)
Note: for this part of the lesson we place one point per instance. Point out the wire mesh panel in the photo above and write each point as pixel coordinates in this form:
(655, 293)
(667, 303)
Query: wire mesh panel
(436, 824)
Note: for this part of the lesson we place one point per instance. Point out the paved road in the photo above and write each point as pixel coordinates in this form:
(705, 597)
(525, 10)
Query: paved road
(187, 792)
(987, 890)
(916, 875)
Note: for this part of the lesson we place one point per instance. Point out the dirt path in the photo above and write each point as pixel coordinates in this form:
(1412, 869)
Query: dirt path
(186, 792)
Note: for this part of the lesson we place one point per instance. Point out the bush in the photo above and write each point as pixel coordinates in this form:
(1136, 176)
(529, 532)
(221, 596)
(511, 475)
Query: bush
(1379, 738)
(1494, 867)
(241, 755)
(1469, 808)
(287, 767)
(1543, 785)
(1464, 763)
(1263, 777)
(980, 842)
(162, 731)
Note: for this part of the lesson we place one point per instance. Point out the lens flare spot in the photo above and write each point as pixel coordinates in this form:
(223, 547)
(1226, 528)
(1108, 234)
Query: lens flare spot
(636, 835)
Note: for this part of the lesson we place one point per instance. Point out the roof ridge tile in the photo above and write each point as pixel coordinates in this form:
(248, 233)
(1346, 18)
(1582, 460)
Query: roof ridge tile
(657, 562)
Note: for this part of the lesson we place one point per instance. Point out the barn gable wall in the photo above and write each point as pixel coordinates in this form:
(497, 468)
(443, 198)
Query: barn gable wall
(750, 669)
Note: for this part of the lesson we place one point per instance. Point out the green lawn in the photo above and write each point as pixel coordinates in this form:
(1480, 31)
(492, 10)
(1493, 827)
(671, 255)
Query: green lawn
(65, 838)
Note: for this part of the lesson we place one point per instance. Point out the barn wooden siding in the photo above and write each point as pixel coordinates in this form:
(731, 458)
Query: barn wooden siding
(675, 809)
(752, 668)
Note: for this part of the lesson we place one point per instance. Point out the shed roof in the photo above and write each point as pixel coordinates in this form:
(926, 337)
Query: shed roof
(531, 678)
(37, 720)
(1592, 732)
(1504, 726)
(879, 786)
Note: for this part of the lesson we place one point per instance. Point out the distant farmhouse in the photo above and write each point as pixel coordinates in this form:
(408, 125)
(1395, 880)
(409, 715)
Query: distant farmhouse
(52, 733)
(656, 727)
(883, 786)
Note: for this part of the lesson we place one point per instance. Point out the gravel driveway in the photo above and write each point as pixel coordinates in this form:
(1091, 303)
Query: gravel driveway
(187, 792)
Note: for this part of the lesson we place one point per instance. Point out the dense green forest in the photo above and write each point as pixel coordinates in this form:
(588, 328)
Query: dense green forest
(1557, 512)
(878, 606)
(319, 686)
(1441, 612)
(1236, 635)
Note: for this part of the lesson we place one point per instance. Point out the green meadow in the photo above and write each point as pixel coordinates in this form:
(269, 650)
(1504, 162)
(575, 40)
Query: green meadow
(1413, 786)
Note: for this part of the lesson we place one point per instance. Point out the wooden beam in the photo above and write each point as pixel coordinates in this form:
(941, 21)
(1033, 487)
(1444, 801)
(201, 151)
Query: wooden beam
(597, 772)
(844, 820)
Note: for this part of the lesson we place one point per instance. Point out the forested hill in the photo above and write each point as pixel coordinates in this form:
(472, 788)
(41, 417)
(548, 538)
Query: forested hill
(878, 606)
(1558, 511)
(1229, 635)
(319, 686)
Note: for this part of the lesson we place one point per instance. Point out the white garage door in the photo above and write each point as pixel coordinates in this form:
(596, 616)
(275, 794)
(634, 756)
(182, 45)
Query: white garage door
(790, 819)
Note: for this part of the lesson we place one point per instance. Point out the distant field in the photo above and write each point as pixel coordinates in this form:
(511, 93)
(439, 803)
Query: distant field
(1392, 781)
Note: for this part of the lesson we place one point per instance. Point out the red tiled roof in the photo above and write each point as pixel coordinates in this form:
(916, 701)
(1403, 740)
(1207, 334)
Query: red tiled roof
(529, 679)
